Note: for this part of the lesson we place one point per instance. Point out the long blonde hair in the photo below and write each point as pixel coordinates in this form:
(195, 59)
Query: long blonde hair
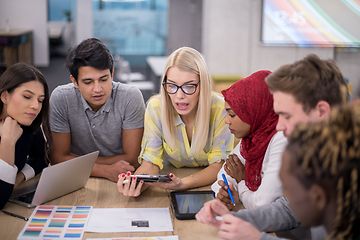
(190, 60)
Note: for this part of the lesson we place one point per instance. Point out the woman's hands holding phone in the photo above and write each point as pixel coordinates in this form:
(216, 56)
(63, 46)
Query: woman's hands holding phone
(128, 186)
(173, 184)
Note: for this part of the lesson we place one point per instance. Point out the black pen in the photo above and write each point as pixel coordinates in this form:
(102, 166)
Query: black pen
(15, 215)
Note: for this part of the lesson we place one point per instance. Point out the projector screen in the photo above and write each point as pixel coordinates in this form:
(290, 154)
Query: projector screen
(310, 23)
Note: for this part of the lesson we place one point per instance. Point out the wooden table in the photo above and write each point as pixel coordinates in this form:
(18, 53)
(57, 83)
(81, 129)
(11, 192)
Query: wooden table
(102, 193)
(17, 46)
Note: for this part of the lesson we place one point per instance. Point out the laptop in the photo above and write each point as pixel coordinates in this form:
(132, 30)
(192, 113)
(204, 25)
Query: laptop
(56, 180)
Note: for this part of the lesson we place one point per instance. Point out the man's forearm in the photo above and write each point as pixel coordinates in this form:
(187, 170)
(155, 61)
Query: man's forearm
(58, 159)
(99, 170)
(265, 236)
(274, 217)
(115, 158)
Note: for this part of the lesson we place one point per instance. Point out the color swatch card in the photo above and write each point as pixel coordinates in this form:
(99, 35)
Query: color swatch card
(56, 222)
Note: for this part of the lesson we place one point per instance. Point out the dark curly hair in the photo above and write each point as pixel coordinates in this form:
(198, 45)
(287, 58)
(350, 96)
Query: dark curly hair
(328, 154)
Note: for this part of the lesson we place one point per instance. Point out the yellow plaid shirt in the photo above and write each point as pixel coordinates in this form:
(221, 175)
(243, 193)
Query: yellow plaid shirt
(155, 149)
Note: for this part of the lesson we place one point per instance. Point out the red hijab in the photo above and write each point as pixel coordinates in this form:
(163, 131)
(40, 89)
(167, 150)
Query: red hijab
(252, 102)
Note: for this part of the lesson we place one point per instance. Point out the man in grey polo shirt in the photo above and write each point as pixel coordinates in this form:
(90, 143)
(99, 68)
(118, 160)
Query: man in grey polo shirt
(95, 113)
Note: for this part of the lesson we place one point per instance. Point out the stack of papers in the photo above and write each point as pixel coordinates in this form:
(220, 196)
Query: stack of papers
(175, 237)
(129, 220)
(70, 222)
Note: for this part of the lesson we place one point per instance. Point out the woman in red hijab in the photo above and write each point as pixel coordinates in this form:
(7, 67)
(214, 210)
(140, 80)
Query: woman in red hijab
(253, 166)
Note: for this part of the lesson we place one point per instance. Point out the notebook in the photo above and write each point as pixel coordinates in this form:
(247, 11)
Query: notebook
(56, 181)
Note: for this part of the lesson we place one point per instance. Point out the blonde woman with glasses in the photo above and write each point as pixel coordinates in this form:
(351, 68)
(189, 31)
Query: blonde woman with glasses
(184, 124)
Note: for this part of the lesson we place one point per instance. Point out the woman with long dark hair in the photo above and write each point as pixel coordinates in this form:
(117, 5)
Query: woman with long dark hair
(24, 110)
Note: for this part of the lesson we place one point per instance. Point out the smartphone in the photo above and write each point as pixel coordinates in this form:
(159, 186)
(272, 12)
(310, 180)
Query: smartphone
(152, 178)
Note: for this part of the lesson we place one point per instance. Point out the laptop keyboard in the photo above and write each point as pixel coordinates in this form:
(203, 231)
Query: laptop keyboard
(28, 197)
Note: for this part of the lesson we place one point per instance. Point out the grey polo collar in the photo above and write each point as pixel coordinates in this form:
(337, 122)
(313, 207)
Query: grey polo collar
(104, 108)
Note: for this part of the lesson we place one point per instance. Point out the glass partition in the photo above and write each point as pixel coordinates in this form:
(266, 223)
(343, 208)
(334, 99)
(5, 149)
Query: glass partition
(131, 27)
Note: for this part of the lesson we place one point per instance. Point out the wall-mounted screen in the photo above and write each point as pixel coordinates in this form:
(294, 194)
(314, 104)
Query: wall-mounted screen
(309, 23)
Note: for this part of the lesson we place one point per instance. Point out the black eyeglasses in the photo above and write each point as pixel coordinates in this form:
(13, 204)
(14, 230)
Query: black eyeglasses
(188, 89)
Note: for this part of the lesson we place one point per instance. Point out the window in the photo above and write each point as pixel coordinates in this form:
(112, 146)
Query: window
(131, 27)
(59, 10)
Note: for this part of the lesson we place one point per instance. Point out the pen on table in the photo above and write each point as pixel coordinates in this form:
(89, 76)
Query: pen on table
(228, 189)
(15, 215)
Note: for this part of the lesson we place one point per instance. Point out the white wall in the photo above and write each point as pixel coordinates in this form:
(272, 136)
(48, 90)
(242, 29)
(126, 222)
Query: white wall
(231, 43)
(225, 35)
(84, 21)
(231, 40)
(184, 16)
(349, 63)
(27, 14)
